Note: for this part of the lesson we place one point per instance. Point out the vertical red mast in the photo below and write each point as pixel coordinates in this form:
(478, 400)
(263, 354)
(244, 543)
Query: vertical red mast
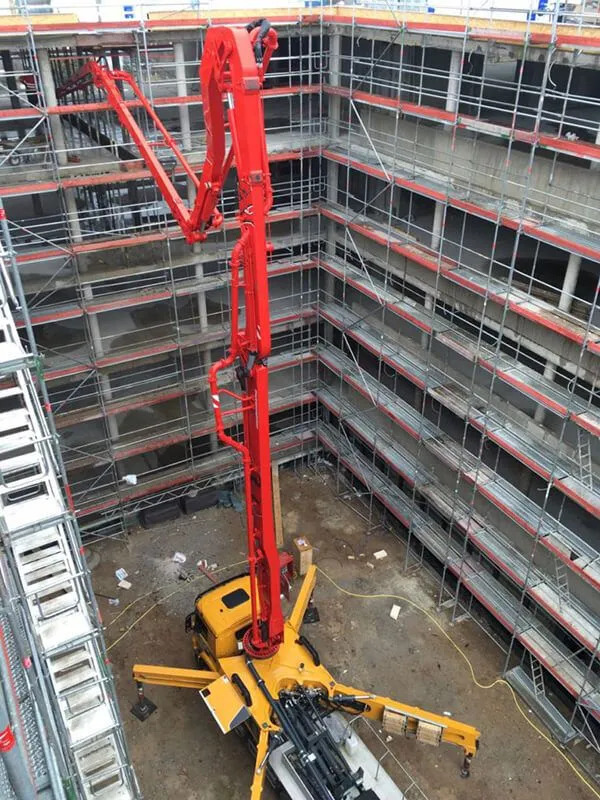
(241, 78)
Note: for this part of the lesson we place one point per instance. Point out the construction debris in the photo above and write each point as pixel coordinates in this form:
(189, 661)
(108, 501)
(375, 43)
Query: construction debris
(304, 554)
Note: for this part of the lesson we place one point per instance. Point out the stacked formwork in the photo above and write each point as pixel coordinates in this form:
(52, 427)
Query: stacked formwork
(434, 226)
(460, 325)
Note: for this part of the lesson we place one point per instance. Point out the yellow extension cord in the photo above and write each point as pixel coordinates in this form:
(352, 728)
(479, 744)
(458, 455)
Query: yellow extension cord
(404, 599)
(461, 652)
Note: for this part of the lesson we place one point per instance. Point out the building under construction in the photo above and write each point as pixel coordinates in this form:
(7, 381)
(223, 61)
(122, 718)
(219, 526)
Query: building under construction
(435, 309)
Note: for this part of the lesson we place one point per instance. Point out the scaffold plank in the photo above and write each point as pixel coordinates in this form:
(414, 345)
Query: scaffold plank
(505, 607)
(572, 615)
(215, 333)
(549, 316)
(499, 427)
(560, 540)
(282, 445)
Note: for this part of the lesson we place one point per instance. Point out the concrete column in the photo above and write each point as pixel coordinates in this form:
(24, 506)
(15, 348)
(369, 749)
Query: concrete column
(540, 412)
(454, 76)
(77, 236)
(73, 215)
(570, 282)
(428, 306)
(333, 171)
(595, 165)
(438, 220)
(327, 280)
(525, 480)
(335, 61)
(184, 109)
(197, 249)
(564, 304)
(327, 286)
(202, 310)
(56, 129)
(332, 181)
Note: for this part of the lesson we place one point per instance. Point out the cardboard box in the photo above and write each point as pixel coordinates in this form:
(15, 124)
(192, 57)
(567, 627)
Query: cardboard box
(303, 555)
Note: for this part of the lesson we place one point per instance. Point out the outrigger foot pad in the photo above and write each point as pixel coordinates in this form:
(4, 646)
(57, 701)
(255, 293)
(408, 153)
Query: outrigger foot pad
(144, 707)
(143, 710)
(311, 615)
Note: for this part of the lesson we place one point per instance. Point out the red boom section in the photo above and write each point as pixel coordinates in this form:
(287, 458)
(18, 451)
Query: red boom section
(232, 71)
(241, 78)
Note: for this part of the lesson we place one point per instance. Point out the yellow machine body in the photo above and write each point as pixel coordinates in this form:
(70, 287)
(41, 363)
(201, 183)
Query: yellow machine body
(221, 616)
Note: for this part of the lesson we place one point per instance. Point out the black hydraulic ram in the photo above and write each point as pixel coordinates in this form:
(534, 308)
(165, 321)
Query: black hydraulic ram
(305, 757)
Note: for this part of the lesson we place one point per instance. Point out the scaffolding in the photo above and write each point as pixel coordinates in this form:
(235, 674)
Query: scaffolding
(69, 726)
(459, 341)
(127, 317)
(434, 293)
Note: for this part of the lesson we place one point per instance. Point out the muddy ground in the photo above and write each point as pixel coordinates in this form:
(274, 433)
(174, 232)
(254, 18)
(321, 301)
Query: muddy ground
(179, 753)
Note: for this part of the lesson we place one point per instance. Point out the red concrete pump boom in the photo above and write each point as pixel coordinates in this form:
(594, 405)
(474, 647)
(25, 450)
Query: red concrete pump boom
(233, 66)
(281, 703)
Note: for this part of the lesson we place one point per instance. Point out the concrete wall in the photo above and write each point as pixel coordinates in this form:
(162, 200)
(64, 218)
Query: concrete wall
(469, 165)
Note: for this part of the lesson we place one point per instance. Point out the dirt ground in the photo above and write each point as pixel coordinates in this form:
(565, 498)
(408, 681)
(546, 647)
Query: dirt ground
(179, 753)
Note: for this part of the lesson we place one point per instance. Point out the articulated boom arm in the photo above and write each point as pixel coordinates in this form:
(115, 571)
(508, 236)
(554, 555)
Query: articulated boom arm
(233, 64)
(232, 69)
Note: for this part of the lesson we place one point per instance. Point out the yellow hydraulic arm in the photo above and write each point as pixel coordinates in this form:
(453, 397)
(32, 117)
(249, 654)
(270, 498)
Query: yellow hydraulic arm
(297, 663)
(412, 721)
(174, 676)
(395, 717)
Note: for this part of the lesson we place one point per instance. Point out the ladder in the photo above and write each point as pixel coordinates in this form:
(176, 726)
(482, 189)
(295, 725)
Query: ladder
(537, 676)
(562, 583)
(584, 455)
(42, 546)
